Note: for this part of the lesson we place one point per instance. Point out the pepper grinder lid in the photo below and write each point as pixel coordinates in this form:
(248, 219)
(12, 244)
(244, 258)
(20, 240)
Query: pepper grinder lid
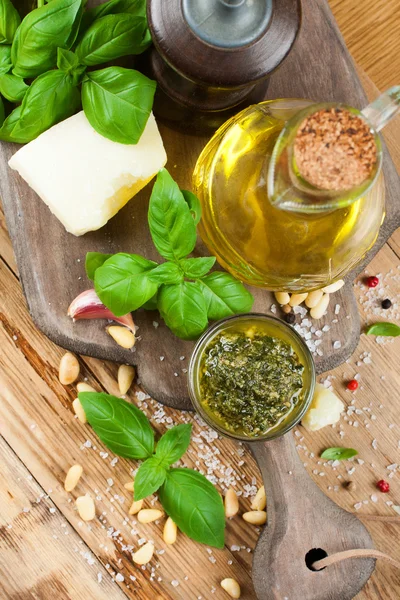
(228, 43)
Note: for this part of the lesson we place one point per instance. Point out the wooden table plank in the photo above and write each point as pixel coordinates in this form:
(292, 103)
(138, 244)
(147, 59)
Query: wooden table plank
(37, 422)
(52, 559)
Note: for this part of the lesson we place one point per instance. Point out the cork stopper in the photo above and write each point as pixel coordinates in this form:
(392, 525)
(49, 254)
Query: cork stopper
(335, 150)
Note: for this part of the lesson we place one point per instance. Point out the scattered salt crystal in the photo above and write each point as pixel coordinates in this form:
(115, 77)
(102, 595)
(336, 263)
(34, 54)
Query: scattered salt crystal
(175, 582)
(110, 482)
(358, 505)
(374, 444)
(337, 345)
(374, 498)
(119, 577)
(396, 508)
(99, 577)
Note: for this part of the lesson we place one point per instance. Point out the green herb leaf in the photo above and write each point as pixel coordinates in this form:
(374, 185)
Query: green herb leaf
(9, 21)
(194, 268)
(117, 103)
(42, 31)
(122, 283)
(171, 225)
(5, 59)
(2, 112)
(386, 329)
(12, 87)
(338, 453)
(149, 478)
(68, 62)
(168, 272)
(113, 7)
(183, 309)
(194, 505)
(94, 260)
(224, 296)
(122, 427)
(194, 204)
(152, 303)
(173, 444)
(50, 99)
(111, 37)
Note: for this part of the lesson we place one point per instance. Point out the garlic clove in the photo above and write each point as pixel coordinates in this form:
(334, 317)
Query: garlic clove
(89, 306)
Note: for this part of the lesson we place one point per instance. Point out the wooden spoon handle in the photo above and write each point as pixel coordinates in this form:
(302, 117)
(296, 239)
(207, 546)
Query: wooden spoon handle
(300, 519)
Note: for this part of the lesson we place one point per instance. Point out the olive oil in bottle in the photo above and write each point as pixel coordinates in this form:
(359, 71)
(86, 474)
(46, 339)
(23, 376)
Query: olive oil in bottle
(296, 240)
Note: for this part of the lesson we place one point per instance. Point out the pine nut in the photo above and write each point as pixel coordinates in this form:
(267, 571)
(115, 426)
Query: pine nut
(144, 554)
(232, 587)
(318, 311)
(69, 369)
(313, 298)
(259, 500)
(72, 478)
(78, 410)
(231, 503)
(84, 387)
(129, 486)
(255, 517)
(126, 375)
(122, 336)
(170, 531)
(282, 298)
(86, 508)
(333, 287)
(148, 515)
(297, 299)
(136, 507)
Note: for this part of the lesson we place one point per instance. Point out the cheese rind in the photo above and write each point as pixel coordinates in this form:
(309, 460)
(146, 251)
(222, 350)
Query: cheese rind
(83, 177)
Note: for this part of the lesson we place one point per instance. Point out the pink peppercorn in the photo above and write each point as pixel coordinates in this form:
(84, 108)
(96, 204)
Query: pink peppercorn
(372, 281)
(383, 486)
(352, 385)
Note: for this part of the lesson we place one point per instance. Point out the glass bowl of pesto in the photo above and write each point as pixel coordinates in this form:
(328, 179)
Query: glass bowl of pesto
(251, 377)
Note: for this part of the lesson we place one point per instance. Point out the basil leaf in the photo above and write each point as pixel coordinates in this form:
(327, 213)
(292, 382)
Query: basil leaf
(111, 37)
(122, 427)
(151, 304)
(225, 296)
(117, 103)
(68, 63)
(386, 329)
(9, 21)
(94, 260)
(194, 505)
(5, 59)
(194, 204)
(12, 87)
(2, 111)
(122, 283)
(194, 268)
(149, 478)
(9, 131)
(183, 309)
(114, 7)
(338, 453)
(173, 444)
(42, 31)
(50, 99)
(168, 272)
(171, 225)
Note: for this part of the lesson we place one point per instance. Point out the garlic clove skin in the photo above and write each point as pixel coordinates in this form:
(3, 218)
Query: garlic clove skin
(325, 409)
(89, 306)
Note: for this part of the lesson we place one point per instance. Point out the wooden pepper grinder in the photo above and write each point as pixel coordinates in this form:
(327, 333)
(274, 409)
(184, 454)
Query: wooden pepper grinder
(213, 57)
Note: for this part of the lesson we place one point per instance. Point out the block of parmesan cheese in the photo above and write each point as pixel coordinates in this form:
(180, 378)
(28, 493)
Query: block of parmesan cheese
(83, 177)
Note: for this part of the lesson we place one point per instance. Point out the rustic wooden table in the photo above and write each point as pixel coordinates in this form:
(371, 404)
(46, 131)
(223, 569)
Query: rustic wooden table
(45, 550)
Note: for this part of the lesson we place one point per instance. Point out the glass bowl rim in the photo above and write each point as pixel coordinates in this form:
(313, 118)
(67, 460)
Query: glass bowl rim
(196, 354)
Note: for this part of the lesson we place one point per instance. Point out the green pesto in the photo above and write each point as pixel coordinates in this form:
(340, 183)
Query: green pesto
(250, 382)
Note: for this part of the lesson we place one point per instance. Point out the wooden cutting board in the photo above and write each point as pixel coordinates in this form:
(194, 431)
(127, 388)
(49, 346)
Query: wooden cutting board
(51, 261)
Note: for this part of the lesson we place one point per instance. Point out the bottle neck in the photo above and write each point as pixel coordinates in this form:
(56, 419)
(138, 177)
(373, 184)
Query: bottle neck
(289, 190)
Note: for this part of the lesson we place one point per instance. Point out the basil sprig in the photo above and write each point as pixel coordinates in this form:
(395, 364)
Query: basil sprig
(338, 453)
(386, 329)
(61, 35)
(188, 497)
(182, 289)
